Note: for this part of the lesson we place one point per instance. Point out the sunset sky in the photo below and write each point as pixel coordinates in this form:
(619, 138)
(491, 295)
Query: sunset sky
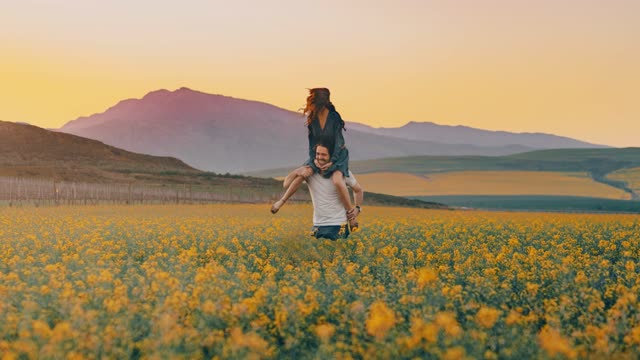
(570, 68)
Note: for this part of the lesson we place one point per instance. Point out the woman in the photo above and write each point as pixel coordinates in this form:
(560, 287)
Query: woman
(324, 126)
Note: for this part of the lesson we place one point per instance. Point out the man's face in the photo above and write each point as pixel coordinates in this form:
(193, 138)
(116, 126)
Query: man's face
(322, 155)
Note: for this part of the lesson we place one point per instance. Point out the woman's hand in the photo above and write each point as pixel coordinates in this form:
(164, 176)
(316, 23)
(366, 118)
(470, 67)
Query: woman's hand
(326, 166)
(322, 167)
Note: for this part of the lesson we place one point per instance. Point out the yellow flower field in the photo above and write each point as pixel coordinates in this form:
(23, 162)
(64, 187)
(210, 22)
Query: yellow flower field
(234, 281)
(490, 183)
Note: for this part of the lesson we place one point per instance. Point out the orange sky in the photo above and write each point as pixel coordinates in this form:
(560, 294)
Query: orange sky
(563, 67)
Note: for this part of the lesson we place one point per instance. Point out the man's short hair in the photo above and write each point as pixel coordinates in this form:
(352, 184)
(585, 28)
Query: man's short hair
(320, 143)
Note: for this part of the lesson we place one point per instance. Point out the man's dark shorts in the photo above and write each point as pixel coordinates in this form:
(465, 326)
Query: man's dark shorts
(331, 232)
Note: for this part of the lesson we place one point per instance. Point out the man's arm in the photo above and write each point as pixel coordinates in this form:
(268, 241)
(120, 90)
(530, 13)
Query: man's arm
(358, 198)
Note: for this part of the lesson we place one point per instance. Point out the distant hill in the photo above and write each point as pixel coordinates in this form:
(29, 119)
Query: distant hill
(595, 161)
(28, 151)
(223, 134)
(599, 161)
(464, 135)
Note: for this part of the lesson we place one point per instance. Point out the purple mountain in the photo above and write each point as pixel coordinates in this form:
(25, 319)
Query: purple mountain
(224, 134)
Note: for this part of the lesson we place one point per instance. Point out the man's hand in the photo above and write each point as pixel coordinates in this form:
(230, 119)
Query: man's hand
(352, 218)
(353, 213)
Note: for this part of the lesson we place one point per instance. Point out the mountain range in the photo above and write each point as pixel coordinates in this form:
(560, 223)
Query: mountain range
(464, 135)
(224, 134)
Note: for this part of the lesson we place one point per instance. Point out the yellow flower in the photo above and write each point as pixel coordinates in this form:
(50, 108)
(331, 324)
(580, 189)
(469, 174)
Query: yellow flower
(325, 331)
(351, 268)
(430, 332)
(222, 251)
(455, 353)
(513, 318)
(426, 276)
(315, 275)
(356, 307)
(630, 266)
(61, 331)
(581, 277)
(381, 319)
(208, 307)
(75, 355)
(251, 340)
(532, 288)
(555, 344)
(448, 322)
(41, 329)
(281, 315)
(421, 330)
(487, 316)
(601, 337)
(634, 336)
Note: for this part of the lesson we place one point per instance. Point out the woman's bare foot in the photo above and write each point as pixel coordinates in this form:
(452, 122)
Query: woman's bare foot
(276, 206)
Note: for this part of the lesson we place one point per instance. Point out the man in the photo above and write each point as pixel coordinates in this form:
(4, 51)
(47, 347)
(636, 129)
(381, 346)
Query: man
(330, 220)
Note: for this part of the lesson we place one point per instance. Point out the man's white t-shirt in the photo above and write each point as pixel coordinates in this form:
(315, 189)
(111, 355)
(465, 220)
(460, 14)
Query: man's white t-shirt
(327, 207)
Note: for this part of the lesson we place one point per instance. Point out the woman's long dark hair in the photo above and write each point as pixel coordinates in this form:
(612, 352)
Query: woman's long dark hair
(318, 99)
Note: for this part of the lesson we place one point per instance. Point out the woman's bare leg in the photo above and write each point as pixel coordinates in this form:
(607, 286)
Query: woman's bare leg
(304, 171)
(296, 178)
(343, 193)
(287, 181)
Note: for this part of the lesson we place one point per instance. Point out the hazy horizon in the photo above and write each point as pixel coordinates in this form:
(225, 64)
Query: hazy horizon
(568, 69)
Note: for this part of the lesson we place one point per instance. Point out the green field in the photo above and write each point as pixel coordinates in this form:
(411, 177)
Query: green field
(630, 176)
(598, 161)
(533, 203)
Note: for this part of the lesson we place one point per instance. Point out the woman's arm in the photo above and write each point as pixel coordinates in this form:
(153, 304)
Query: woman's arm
(312, 151)
(312, 154)
(339, 139)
